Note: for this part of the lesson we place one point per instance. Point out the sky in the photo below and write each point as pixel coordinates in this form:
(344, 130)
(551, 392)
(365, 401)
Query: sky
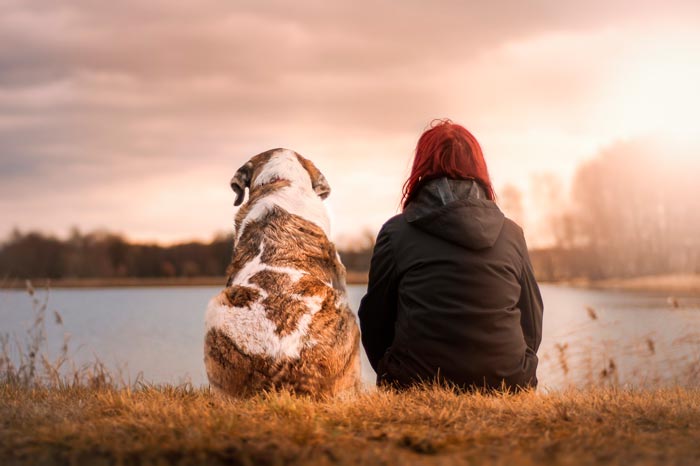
(132, 116)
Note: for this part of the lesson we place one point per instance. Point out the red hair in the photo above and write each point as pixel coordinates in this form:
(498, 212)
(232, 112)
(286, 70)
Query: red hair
(447, 149)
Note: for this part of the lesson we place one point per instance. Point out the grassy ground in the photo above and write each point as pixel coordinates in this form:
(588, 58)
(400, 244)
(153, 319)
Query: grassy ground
(165, 425)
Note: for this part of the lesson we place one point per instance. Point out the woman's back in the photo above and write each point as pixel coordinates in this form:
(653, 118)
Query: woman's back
(451, 292)
(457, 266)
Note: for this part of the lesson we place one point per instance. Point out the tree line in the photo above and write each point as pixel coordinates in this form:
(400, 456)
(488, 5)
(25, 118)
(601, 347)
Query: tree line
(103, 254)
(107, 255)
(632, 210)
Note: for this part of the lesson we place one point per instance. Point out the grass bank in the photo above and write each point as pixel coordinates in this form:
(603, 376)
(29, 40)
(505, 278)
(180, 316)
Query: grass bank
(166, 425)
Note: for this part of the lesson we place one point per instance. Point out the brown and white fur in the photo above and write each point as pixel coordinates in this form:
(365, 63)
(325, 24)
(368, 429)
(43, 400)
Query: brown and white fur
(283, 321)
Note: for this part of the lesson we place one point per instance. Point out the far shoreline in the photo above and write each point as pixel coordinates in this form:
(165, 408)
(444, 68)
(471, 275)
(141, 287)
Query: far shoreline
(353, 278)
(668, 283)
(671, 283)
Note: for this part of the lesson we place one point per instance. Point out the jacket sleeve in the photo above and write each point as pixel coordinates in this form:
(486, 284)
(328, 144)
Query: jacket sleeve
(377, 311)
(531, 305)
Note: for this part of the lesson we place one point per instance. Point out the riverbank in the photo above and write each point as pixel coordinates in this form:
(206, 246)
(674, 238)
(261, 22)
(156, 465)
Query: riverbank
(677, 284)
(353, 278)
(166, 425)
(671, 284)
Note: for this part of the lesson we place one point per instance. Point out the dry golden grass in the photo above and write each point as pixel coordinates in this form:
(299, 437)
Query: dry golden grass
(166, 425)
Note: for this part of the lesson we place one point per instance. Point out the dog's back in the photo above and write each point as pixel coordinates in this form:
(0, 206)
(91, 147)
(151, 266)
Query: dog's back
(283, 320)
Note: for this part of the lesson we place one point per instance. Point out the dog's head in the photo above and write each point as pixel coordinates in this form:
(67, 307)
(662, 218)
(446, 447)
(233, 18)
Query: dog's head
(278, 164)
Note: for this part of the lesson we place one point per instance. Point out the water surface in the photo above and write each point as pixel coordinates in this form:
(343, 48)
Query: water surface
(589, 336)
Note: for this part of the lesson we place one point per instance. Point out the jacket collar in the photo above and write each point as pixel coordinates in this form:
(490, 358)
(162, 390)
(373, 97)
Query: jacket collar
(440, 192)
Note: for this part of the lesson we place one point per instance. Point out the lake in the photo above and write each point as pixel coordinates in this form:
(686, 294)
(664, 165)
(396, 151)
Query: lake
(589, 337)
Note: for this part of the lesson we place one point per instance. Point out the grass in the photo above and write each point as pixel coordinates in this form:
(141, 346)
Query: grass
(53, 413)
(167, 425)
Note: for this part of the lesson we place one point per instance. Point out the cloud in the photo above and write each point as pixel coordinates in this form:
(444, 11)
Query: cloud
(98, 100)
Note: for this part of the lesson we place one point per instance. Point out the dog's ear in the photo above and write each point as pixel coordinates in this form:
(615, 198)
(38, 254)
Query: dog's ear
(240, 181)
(318, 181)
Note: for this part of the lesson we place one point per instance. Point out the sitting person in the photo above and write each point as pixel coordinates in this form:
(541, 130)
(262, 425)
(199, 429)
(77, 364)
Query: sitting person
(451, 295)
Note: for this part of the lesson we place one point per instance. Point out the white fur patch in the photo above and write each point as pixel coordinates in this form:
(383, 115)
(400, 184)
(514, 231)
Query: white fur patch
(283, 164)
(298, 199)
(249, 327)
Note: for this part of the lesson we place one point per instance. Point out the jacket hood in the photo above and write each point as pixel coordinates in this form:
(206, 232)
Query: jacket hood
(457, 211)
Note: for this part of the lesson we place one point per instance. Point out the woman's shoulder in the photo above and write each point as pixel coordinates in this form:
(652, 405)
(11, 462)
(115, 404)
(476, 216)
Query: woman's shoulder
(513, 228)
(515, 235)
(393, 225)
(397, 219)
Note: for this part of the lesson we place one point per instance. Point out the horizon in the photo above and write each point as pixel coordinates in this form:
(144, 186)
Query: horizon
(140, 136)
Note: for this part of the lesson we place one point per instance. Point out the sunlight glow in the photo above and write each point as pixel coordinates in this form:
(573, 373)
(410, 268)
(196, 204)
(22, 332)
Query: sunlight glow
(657, 92)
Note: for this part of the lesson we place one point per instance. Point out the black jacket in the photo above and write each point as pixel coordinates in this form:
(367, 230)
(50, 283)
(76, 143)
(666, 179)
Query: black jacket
(452, 294)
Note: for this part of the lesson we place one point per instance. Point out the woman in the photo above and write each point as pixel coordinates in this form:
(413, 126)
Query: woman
(451, 295)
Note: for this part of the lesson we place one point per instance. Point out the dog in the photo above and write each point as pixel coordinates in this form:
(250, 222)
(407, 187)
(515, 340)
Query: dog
(283, 320)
